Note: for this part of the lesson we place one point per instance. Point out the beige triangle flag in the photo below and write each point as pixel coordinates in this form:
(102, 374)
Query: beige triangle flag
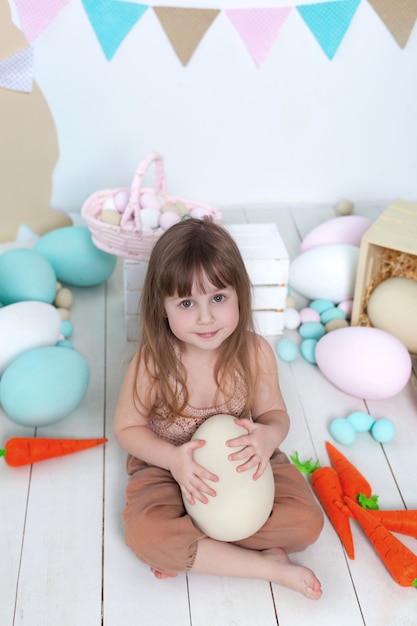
(185, 28)
(399, 17)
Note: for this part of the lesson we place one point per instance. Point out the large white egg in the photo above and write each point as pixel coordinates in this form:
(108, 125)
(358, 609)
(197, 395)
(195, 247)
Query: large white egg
(26, 325)
(347, 229)
(392, 306)
(327, 272)
(365, 362)
(242, 505)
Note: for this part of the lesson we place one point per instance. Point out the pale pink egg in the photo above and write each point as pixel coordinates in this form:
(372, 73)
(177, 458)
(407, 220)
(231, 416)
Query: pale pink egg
(168, 219)
(347, 229)
(364, 362)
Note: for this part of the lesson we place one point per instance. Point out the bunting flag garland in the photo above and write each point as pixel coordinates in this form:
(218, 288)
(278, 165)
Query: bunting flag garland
(16, 71)
(399, 17)
(329, 21)
(36, 16)
(258, 28)
(112, 21)
(185, 28)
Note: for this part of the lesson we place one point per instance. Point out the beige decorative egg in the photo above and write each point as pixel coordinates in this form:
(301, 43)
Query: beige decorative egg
(110, 216)
(392, 306)
(241, 505)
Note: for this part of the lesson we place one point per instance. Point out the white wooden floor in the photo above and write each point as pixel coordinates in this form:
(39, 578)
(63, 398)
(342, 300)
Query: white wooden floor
(62, 556)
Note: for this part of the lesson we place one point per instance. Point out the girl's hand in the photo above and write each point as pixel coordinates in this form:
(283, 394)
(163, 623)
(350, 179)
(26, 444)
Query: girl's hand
(191, 476)
(257, 446)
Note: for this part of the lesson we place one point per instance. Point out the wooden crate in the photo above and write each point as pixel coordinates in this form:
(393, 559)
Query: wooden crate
(396, 230)
(266, 261)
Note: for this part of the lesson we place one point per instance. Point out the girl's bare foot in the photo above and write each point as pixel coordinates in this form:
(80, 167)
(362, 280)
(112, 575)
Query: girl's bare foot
(294, 576)
(160, 575)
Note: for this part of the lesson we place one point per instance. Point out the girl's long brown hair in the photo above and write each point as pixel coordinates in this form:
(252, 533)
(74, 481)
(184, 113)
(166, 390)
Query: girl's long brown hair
(186, 255)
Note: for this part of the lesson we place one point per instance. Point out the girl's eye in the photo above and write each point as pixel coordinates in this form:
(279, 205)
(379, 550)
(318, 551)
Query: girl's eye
(219, 297)
(186, 304)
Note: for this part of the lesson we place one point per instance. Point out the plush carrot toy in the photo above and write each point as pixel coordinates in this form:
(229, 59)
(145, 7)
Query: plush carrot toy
(26, 450)
(397, 558)
(354, 484)
(326, 485)
(403, 521)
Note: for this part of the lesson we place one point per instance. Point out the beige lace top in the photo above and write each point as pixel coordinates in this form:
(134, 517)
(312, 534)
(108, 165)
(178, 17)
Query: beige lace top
(180, 430)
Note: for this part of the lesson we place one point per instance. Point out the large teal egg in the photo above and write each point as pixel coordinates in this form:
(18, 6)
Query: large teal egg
(26, 275)
(74, 257)
(44, 385)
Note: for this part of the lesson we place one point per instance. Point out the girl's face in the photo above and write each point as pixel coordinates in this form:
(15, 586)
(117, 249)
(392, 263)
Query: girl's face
(203, 321)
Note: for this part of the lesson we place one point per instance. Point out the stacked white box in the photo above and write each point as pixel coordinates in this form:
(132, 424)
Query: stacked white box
(266, 261)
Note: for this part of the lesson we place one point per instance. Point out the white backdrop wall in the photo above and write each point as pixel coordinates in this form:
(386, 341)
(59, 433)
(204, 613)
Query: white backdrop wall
(299, 129)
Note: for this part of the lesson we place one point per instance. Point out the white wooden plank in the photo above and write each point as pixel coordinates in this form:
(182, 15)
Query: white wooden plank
(227, 601)
(60, 577)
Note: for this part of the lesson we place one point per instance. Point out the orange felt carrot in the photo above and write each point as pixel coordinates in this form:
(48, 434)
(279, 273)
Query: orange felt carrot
(326, 485)
(26, 450)
(397, 558)
(403, 521)
(354, 484)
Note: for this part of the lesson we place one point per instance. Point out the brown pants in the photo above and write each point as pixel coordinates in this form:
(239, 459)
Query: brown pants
(161, 534)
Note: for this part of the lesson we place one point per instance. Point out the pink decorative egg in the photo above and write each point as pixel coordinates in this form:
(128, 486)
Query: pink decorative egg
(364, 362)
(347, 229)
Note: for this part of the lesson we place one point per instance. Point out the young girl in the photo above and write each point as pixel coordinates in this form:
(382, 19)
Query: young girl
(198, 356)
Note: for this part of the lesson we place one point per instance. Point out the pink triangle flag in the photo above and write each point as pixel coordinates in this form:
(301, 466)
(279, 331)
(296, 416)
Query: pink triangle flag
(36, 16)
(258, 28)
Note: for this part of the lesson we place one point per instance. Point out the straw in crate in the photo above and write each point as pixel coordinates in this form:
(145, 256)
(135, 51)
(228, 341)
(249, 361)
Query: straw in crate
(140, 214)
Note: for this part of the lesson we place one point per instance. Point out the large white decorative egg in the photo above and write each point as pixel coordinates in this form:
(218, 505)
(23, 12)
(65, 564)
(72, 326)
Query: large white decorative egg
(347, 229)
(365, 362)
(327, 272)
(242, 505)
(392, 306)
(26, 325)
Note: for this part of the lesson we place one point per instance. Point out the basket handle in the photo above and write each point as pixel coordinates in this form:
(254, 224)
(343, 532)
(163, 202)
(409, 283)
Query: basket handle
(133, 207)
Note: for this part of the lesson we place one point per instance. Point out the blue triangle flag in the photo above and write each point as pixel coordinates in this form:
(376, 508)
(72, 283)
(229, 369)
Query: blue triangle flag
(112, 20)
(329, 21)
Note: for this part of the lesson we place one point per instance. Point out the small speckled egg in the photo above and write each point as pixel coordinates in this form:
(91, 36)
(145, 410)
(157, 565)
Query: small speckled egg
(383, 430)
(312, 330)
(63, 298)
(342, 431)
(67, 328)
(287, 350)
(121, 199)
(110, 216)
(308, 350)
(346, 306)
(290, 302)
(291, 319)
(321, 304)
(345, 207)
(332, 314)
(335, 325)
(149, 218)
(149, 200)
(309, 315)
(168, 219)
(362, 422)
(198, 212)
